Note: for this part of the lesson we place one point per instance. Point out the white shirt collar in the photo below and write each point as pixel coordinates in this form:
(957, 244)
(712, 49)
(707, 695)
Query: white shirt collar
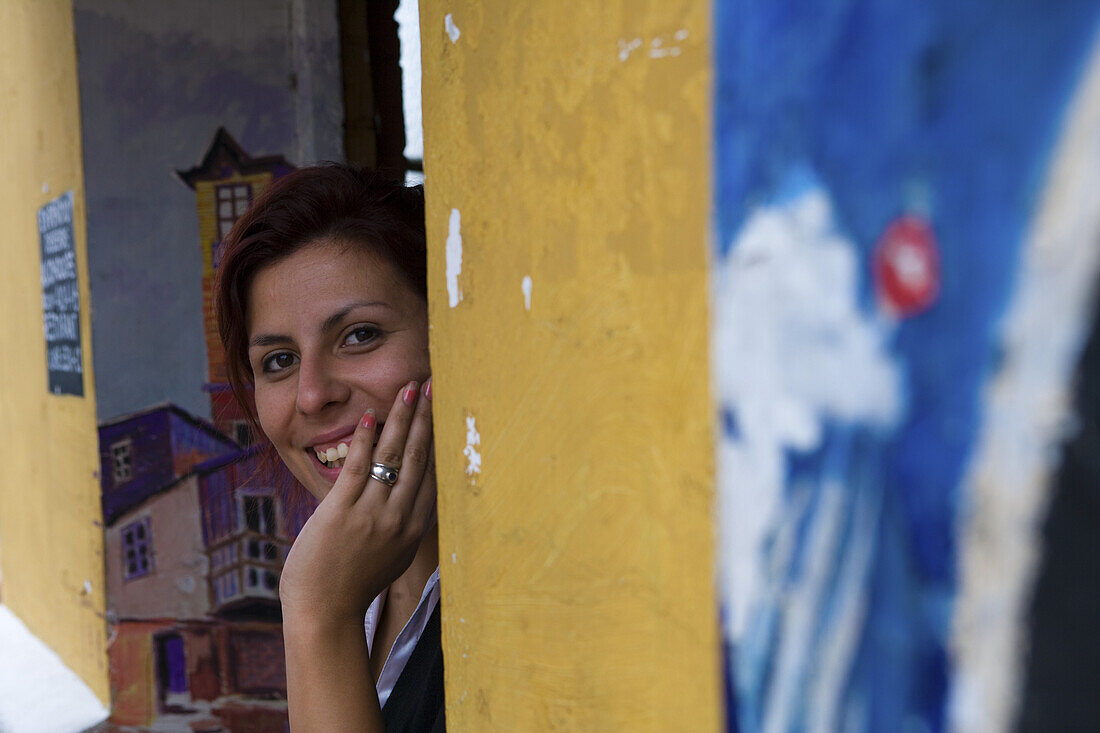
(406, 641)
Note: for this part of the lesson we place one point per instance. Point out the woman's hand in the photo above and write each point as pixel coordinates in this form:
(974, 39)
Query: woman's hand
(362, 537)
(364, 534)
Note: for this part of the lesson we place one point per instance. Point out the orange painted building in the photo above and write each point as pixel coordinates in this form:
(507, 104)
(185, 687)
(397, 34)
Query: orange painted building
(225, 184)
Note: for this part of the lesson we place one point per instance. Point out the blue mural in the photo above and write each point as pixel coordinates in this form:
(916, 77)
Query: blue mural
(878, 168)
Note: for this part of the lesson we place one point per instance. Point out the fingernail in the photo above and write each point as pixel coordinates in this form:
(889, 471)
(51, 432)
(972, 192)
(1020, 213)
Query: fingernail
(428, 388)
(368, 419)
(410, 393)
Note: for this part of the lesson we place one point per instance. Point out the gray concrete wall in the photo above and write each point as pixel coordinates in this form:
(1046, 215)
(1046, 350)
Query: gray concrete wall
(156, 80)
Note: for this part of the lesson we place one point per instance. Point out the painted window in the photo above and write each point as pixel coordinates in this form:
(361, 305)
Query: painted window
(242, 432)
(122, 461)
(259, 514)
(233, 200)
(137, 549)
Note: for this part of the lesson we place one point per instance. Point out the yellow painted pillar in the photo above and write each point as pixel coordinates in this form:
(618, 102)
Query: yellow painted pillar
(567, 150)
(51, 539)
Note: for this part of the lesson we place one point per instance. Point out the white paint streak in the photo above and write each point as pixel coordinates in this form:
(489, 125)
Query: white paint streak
(526, 287)
(473, 439)
(834, 672)
(454, 558)
(45, 187)
(800, 611)
(788, 286)
(452, 30)
(454, 257)
(1008, 485)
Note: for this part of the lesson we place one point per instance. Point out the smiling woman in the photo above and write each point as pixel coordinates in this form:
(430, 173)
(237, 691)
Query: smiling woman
(322, 309)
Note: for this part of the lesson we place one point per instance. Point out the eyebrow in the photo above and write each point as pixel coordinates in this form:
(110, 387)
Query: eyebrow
(271, 339)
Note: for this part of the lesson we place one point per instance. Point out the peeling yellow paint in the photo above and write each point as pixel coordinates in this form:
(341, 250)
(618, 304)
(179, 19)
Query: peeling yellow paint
(50, 532)
(579, 595)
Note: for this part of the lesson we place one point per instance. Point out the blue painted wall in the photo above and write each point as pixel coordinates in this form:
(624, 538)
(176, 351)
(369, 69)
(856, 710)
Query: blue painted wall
(946, 111)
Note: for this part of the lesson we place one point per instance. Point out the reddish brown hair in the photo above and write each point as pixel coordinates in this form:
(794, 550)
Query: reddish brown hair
(326, 202)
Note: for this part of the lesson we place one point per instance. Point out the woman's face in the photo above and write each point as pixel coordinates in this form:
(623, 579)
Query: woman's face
(332, 331)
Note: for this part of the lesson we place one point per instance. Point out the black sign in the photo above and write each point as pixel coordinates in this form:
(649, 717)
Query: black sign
(60, 297)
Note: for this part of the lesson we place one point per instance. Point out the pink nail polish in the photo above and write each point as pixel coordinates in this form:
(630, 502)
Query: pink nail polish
(368, 419)
(410, 393)
(428, 389)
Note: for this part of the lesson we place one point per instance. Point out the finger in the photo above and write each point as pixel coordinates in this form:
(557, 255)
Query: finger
(391, 445)
(424, 505)
(418, 452)
(352, 482)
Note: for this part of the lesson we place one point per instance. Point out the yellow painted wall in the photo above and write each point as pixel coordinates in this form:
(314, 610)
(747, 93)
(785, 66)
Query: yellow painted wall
(51, 539)
(577, 566)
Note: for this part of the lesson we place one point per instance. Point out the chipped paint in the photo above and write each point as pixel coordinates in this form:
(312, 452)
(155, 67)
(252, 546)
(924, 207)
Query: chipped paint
(526, 287)
(452, 30)
(454, 257)
(628, 47)
(473, 439)
(658, 46)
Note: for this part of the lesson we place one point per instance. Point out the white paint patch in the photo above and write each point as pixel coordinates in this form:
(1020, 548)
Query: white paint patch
(658, 48)
(788, 286)
(38, 693)
(87, 589)
(452, 30)
(45, 187)
(628, 47)
(526, 287)
(454, 257)
(473, 439)
(1029, 407)
(454, 558)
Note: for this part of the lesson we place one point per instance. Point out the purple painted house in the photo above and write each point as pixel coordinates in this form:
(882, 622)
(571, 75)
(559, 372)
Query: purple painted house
(142, 453)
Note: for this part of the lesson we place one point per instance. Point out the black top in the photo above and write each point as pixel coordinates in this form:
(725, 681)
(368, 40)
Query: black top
(416, 703)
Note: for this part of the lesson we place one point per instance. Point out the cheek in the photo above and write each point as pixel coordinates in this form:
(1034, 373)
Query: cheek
(272, 413)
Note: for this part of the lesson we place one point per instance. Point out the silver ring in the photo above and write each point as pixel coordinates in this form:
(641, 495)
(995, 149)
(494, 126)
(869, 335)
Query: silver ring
(383, 473)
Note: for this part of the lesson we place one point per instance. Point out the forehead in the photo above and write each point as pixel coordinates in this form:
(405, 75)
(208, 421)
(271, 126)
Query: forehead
(320, 278)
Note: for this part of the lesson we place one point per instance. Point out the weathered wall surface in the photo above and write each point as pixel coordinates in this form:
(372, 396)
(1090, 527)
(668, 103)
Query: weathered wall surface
(156, 81)
(568, 196)
(52, 559)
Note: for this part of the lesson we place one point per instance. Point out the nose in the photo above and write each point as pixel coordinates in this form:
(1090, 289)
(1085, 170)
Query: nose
(319, 386)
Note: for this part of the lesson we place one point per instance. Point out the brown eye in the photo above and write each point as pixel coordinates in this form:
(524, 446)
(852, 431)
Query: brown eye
(361, 335)
(278, 362)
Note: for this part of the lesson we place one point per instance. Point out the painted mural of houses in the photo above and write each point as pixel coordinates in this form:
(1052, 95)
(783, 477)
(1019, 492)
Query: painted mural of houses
(196, 535)
(225, 182)
(194, 547)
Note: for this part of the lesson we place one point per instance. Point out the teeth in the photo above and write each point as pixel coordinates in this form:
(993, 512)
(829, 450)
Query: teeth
(321, 456)
(332, 454)
(342, 450)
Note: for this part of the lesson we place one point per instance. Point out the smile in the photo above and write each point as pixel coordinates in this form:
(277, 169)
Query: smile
(333, 456)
